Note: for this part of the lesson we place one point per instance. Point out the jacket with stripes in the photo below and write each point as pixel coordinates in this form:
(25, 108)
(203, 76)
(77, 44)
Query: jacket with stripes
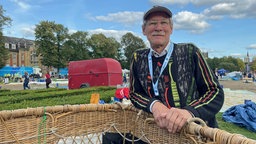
(187, 82)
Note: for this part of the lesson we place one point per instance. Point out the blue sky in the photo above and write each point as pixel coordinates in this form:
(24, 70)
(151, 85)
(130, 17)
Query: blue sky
(220, 27)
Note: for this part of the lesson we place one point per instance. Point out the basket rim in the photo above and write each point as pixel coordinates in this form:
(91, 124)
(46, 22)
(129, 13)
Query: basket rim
(192, 127)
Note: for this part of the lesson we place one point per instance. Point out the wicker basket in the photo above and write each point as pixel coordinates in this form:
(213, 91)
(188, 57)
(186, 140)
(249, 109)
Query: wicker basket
(73, 124)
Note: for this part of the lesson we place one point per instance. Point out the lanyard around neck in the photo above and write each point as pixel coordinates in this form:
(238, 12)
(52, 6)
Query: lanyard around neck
(150, 66)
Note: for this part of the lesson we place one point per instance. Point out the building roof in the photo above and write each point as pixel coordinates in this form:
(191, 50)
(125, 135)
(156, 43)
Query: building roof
(14, 40)
(21, 41)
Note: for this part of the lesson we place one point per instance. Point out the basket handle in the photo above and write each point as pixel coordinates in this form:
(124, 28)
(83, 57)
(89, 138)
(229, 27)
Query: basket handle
(149, 120)
(196, 120)
(193, 124)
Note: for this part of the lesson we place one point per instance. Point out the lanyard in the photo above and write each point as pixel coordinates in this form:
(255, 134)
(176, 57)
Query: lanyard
(167, 57)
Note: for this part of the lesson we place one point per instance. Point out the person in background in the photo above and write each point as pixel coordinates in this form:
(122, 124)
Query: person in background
(216, 73)
(26, 81)
(48, 79)
(6, 80)
(124, 78)
(172, 81)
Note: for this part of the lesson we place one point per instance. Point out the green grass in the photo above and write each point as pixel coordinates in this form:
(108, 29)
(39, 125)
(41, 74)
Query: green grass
(232, 128)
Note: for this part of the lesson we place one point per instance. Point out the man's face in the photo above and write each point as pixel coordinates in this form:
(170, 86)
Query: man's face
(158, 29)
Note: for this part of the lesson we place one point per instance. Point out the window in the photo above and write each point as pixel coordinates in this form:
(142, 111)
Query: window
(14, 56)
(14, 59)
(13, 46)
(6, 45)
(22, 56)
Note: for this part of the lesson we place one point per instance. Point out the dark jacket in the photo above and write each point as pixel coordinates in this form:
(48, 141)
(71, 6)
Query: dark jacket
(187, 82)
(26, 78)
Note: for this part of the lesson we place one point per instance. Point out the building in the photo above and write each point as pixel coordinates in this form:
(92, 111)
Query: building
(22, 52)
(247, 63)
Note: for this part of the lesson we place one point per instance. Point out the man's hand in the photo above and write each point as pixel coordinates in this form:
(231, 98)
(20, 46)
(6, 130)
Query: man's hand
(160, 111)
(172, 119)
(177, 118)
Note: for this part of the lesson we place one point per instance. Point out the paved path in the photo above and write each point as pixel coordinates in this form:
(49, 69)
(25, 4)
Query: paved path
(236, 97)
(34, 85)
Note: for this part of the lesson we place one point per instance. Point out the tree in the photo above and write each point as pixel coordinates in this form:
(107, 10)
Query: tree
(240, 64)
(227, 66)
(228, 63)
(49, 38)
(237, 63)
(253, 64)
(101, 46)
(4, 53)
(61, 34)
(76, 47)
(130, 43)
(213, 63)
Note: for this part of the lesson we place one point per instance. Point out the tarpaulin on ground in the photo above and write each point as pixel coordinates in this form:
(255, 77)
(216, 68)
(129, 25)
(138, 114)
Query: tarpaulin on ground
(243, 115)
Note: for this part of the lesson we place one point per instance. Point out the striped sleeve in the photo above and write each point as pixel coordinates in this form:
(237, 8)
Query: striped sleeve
(138, 95)
(211, 95)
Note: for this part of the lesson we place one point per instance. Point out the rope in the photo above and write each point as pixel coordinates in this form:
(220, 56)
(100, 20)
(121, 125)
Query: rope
(53, 130)
(113, 125)
(43, 122)
(16, 139)
(125, 123)
(124, 107)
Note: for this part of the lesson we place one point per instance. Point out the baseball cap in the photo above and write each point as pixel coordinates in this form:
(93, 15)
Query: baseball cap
(157, 9)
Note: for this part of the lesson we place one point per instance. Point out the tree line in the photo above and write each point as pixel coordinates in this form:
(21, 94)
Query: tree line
(56, 47)
(229, 63)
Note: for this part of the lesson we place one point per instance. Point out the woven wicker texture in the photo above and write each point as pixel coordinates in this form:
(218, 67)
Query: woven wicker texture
(82, 124)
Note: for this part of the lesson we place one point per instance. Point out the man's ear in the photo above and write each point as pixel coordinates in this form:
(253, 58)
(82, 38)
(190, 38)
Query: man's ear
(172, 29)
(143, 30)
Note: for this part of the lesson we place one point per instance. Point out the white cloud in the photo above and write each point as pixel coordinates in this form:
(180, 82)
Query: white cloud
(252, 46)
(111, 33)
(192, 22)
(197, 22)
(22, 4)
(219, 8)
(126, 17)
(185, 20)
(28, 31)
(21, 30)
(234, 9)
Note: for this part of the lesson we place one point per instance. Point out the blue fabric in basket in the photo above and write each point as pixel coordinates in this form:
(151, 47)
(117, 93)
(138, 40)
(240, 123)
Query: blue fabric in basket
(243, 115)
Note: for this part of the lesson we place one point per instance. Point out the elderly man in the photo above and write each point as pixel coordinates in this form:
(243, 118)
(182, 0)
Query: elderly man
(172, 81)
